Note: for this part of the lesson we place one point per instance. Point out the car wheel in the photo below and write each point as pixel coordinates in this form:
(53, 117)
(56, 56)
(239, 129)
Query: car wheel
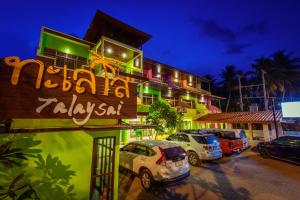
(193, 159)
(146, 179)
(264, 153)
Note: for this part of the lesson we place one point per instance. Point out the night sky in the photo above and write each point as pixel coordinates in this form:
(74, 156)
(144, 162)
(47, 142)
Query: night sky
(197, 36)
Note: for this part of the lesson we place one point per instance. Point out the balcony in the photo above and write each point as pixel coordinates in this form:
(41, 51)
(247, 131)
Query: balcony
(127, 58)
(60, 59)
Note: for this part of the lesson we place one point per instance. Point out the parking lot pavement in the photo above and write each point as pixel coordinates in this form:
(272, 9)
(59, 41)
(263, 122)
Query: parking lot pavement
(244, 176)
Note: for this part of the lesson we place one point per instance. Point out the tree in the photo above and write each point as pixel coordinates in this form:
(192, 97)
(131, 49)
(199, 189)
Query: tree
(288, 71)
(228, 82)
(281, 71)
(17, 188)
(165, 117)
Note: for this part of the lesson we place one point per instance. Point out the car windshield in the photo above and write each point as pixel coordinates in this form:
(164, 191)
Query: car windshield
(174, 152)
(208, 139)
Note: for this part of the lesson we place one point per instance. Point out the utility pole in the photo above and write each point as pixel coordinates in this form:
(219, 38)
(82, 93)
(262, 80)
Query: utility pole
(240, 90)
(274, 117)
(264, 89)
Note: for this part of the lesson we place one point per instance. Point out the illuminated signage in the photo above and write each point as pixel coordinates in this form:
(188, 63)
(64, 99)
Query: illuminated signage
(290, 109)
(30, 89)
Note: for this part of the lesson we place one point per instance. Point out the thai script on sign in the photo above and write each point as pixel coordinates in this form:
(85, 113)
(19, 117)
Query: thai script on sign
(94, 59)
(82, 81)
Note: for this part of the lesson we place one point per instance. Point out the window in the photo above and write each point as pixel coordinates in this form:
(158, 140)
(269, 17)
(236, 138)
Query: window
(172, 138)
(188, 103)
(103, 166)
(199, 139)
(183, 138)
(228, 134)
(150, 152)
(210, 139)
(281, 140)
(140, 149)
(257, 127)
(295, 141)
(174, 152)
(242, 134)
(240, 126)
(130, 147)
(149, 99)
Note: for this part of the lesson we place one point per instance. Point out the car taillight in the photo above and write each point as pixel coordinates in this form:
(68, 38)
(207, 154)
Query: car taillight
(162, 160)
(208, 148)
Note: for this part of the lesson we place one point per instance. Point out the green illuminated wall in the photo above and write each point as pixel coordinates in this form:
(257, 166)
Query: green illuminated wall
(60, 163)
(62, 44)
(146, 90)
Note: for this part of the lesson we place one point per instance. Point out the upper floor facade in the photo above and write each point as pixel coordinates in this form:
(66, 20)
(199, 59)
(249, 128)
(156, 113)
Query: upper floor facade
(120, 45)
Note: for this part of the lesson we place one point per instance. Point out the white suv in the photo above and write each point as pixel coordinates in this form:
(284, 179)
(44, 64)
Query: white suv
(198, 147)
(155, 161)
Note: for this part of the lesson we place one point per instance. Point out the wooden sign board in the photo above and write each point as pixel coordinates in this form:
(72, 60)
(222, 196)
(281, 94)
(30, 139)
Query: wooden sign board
(34, 91)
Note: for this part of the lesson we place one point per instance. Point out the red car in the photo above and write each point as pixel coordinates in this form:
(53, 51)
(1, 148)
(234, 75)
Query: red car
(228, 142)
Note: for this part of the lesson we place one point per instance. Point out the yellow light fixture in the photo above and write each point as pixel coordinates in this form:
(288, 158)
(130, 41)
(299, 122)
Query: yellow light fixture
(124, 55)
(109, 50)
(67, 51)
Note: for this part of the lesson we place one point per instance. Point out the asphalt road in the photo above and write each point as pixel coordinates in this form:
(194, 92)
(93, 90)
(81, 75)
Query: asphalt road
(244, 176)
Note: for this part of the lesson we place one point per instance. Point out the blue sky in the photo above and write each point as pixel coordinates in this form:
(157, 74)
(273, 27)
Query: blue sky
(197, 36)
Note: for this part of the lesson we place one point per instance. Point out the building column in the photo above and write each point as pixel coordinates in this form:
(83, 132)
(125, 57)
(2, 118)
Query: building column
(273, 131)
(250, 131)
(216, 125)
(141, 92)
(228, 126)
(266, 132)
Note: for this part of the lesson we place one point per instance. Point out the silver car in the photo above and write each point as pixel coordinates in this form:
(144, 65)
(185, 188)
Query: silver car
(198, 146)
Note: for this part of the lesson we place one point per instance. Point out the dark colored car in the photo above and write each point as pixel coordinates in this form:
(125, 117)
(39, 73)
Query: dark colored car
(285, 148)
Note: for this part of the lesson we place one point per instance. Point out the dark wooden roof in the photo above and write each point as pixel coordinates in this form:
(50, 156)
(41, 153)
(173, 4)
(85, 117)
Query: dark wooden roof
(105, 25)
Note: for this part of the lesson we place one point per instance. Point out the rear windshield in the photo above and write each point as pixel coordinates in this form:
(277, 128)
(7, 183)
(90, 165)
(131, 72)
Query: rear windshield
(208, 139)
(242, 134)
(174, 152)
(228, 134)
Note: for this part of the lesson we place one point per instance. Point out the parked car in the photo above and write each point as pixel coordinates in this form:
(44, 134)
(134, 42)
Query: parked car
(238, 133)
(198, 147)
(155, 161)
(229, 143)
(285, 148)
(234, 133)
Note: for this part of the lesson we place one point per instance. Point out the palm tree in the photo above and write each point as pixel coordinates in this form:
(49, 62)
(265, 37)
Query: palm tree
(288, 71)
(280, 70)
(228, 81)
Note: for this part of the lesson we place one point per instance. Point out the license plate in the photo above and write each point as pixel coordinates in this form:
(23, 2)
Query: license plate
(178, 163)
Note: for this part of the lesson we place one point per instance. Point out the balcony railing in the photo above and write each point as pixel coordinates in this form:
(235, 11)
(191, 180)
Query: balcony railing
(61, 59)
